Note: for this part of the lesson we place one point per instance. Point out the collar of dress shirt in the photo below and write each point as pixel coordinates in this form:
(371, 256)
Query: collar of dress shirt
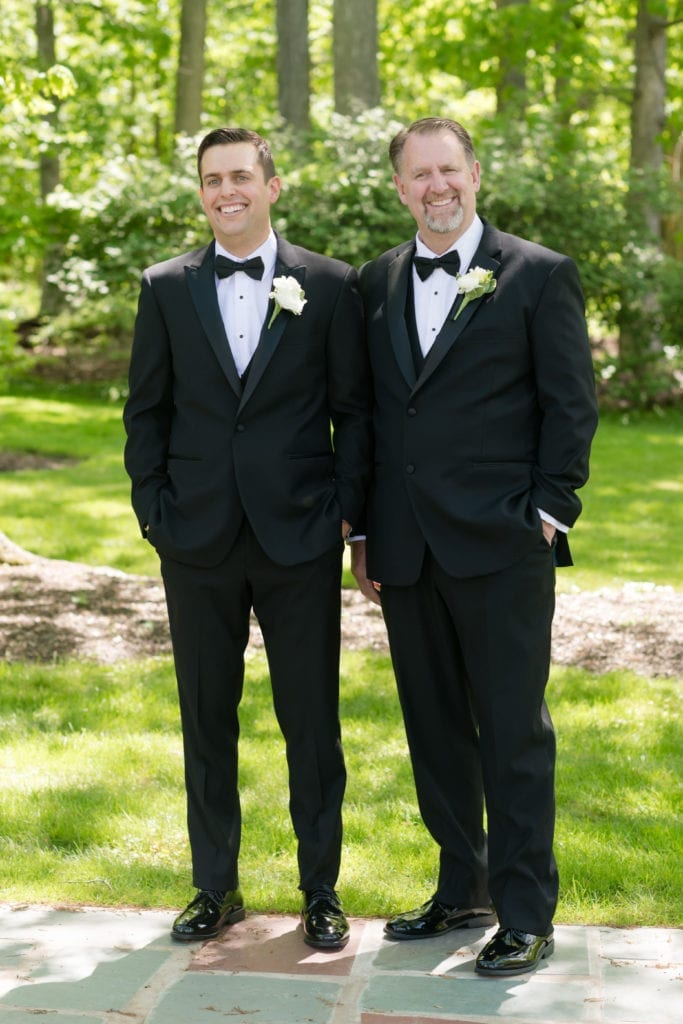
(467, 244)
(267, 251)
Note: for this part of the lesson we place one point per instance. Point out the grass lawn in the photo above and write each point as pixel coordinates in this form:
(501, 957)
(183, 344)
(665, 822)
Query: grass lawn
(92, 801)
(91, 796)
(630, 528)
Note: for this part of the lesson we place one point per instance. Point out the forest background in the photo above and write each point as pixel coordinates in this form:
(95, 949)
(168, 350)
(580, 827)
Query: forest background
(576, 110)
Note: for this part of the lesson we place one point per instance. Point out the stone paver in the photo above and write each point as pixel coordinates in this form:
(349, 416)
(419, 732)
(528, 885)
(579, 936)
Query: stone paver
(96, 966)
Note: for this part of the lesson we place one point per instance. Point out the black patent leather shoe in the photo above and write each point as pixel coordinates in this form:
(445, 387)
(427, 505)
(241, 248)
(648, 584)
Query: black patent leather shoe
(511, 951)
(323, 920)
(205, 917)
(436, 918)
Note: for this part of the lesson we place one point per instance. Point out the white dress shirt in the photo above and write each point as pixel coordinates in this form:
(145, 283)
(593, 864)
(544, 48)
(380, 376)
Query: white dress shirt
(435, 296)
(243, 301)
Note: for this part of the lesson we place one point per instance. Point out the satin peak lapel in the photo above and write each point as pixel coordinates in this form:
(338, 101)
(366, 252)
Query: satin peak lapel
(397, 290)
(452, 329)
(270, 336)
(201, 282)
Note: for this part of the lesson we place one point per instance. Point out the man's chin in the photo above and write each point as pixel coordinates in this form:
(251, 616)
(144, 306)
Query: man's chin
(445, 225)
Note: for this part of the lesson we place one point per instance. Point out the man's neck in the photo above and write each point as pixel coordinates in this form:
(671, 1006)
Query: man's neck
(242, 249)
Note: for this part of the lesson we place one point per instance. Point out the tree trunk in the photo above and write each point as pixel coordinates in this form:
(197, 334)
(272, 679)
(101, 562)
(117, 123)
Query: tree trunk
(293, 64)
(673, 222)
(356, 79)
(190, 75)
(637, 343)
(511, 95)
(648, 111)
(51, 299)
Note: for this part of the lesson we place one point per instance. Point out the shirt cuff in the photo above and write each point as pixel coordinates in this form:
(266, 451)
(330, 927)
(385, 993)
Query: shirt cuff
(553, 522)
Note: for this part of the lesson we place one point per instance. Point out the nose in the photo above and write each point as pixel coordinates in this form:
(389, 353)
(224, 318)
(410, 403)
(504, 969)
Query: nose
(438, 182)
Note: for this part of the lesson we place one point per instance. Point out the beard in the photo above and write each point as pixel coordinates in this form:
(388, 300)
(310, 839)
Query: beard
(444, 225)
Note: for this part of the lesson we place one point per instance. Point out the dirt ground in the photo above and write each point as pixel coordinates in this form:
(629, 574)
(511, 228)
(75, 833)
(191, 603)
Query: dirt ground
(52, 610)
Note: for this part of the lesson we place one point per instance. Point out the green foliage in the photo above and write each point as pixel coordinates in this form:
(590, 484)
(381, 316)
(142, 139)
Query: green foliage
(342, 201)
(573, 203)
(10, 354)
(135, 213)
(555, 150)
(568, 201)
(7, 349)
(92, 800)
(647, 370)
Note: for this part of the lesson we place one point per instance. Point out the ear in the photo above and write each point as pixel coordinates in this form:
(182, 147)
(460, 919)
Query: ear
(400, 189)
(274, 186)
(476, 175)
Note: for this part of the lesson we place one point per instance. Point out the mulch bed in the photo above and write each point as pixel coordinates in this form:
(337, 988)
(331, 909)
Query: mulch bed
(51, 610)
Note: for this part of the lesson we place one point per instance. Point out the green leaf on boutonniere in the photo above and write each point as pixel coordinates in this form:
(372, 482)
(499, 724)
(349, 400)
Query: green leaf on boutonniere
(472, 285)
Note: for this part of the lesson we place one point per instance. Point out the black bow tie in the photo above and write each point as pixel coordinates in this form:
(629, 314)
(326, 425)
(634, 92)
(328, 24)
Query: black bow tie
(225, 267)
(450, 262)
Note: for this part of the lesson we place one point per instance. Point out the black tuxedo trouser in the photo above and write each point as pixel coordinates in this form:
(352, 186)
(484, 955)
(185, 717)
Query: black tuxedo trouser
(298, 608)
(471, 658)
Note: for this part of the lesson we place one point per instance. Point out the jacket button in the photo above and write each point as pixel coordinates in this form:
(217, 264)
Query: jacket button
(240, 428)
(412, 411)
(410, 468)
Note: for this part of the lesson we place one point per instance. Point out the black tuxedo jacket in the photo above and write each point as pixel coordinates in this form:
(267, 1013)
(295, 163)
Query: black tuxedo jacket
(290, 447)
(498, 423)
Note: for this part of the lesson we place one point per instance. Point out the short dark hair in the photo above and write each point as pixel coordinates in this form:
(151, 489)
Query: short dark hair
(231, 136)
(429, 126)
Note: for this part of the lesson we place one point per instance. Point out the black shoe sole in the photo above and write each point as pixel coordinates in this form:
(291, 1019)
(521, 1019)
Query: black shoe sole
(232, 918)
(322, 944)
(501, 972)
(483, 921)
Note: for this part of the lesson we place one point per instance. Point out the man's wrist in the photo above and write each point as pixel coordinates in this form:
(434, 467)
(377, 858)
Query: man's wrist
(547, 518)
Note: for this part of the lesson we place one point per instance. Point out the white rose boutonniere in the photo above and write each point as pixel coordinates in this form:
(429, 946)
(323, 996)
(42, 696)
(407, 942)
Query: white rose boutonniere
(472, 285)
(288, 295)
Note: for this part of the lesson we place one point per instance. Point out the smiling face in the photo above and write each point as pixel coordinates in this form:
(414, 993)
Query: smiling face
(236, 197)
(439, 187)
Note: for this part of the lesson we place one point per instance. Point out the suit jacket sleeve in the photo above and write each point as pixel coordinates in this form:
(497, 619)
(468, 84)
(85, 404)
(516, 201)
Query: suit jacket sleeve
(148, 410)
(349, 391)
(565, 393)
